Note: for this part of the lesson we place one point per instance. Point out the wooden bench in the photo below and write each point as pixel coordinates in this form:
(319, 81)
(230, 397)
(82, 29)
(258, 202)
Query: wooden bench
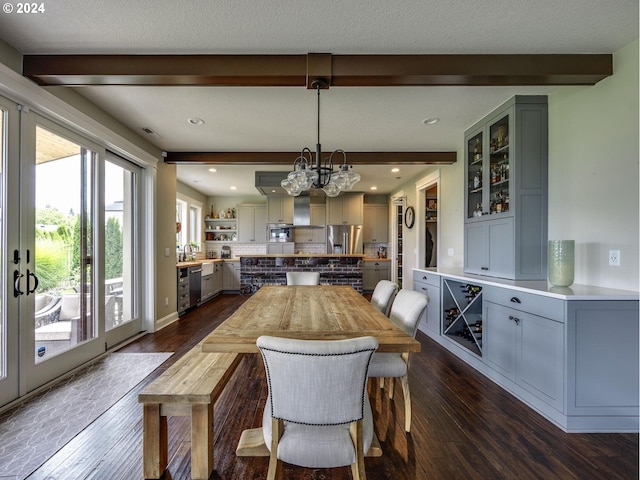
(189, 387)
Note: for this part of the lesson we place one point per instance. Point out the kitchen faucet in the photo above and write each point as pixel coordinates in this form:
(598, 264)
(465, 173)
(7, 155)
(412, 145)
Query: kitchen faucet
(184, 252)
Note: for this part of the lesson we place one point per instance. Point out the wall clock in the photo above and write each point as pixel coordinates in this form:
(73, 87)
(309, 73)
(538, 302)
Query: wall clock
(409, 217)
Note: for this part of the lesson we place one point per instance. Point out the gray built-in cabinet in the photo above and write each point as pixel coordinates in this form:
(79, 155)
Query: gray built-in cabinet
(505, 232)
(569, 353)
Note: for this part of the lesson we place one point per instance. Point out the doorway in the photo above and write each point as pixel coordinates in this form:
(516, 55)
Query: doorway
(428, 201)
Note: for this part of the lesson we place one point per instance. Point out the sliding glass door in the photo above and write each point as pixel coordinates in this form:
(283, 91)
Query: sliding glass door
(70, 228)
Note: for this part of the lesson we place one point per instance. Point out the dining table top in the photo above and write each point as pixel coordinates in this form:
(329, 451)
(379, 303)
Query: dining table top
(323, 312)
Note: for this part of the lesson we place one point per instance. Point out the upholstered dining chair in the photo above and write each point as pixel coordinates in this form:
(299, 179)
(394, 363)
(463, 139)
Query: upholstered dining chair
(303, 278)
(383, 295)
(406, 312)
(317, 413)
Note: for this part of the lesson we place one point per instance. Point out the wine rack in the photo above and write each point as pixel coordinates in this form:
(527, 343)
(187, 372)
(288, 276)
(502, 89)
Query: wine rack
(462, 318)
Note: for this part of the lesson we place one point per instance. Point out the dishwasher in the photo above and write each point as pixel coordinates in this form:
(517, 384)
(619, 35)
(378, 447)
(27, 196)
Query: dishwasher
(195, 288)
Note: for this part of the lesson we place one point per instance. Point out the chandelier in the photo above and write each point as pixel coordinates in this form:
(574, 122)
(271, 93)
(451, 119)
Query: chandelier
(306, 176)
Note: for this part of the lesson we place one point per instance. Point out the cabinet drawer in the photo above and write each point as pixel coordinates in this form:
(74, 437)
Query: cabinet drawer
(427, 277)
(526, 302)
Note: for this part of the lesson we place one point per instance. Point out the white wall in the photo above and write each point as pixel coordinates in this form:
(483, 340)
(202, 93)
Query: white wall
(593, 180)
(593, 173)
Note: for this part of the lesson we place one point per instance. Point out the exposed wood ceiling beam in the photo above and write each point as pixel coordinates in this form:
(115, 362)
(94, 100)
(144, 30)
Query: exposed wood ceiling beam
(297, 70)
(287, 158)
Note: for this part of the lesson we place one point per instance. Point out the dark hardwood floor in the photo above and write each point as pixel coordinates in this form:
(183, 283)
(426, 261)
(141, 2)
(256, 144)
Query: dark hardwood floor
(464, 426)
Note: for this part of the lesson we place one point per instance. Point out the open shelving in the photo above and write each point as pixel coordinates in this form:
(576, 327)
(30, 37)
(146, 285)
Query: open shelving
(220, 229)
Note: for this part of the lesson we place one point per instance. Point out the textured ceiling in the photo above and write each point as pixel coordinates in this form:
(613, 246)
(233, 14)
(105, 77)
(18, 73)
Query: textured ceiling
(283, 118)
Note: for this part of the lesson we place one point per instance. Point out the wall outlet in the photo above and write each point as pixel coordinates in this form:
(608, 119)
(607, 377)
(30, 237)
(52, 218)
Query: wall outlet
(166, 252)
(614, 258)
(166, 301)
(450, 252)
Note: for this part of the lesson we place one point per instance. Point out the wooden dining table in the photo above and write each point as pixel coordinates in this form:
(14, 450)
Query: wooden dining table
(323, 312)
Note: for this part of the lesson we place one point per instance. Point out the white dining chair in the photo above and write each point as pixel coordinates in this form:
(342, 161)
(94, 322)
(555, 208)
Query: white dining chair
(317, 413)
(303, 278)
(406, 312)
(383, 295)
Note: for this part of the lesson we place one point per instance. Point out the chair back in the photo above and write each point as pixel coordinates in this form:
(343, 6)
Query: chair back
(383, 295)
(315, 382)
(303, 278)
(407, 309)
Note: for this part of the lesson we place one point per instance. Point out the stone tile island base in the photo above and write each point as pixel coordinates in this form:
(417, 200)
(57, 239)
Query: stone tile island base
(259, 270)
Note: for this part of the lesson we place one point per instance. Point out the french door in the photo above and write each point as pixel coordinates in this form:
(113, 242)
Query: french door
(68, 266)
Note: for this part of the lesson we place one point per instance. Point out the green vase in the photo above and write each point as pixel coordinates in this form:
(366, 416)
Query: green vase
(560, 266)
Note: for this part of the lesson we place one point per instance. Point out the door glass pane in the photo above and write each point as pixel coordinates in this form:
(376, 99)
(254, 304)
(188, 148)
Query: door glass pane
(63, 245)
(118, 243)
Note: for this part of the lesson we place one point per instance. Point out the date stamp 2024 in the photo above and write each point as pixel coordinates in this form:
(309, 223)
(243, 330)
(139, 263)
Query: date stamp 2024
(24, 8)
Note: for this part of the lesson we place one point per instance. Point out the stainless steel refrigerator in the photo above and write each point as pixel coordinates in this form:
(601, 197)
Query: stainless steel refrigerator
(345, 239)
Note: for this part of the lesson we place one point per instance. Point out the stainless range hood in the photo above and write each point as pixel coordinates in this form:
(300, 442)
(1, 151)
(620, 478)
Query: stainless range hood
(268, 183)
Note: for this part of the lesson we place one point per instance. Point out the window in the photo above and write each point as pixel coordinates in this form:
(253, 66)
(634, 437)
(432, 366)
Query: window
(188, 222)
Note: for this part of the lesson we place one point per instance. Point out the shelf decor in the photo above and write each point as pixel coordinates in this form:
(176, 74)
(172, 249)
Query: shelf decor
(561, 260)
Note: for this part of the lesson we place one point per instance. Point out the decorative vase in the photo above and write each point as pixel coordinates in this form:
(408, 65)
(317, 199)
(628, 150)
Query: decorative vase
(560, 266)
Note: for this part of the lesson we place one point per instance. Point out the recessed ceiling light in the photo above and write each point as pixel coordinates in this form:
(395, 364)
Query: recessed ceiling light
(213, 170)
(431, 121)
(195, 121)
(233, 187)
(374, 188)
(395, 170)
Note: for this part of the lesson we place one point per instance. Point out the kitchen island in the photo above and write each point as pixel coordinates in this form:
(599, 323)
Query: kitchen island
(259, 270)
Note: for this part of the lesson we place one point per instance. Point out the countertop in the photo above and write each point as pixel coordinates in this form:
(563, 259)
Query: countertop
(196, 263)
(542, 287)
(375, 259)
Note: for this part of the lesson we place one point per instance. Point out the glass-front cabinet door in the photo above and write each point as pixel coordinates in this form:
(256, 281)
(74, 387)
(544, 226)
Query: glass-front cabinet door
(499, 166)
(488, 165)
(475, 174)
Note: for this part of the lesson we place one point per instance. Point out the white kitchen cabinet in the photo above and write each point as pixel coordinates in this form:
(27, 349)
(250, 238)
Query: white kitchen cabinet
(252, 223)
(345, 209)
(279, 209)
(217, 280)
(373, 271)
(287, 248)
(375, 227)
(231, 275)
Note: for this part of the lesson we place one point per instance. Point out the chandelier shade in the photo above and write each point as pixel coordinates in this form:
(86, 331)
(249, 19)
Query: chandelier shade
(308, 174)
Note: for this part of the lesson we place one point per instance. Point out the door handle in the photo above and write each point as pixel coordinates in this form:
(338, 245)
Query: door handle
(35, 285)
(16, 283)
